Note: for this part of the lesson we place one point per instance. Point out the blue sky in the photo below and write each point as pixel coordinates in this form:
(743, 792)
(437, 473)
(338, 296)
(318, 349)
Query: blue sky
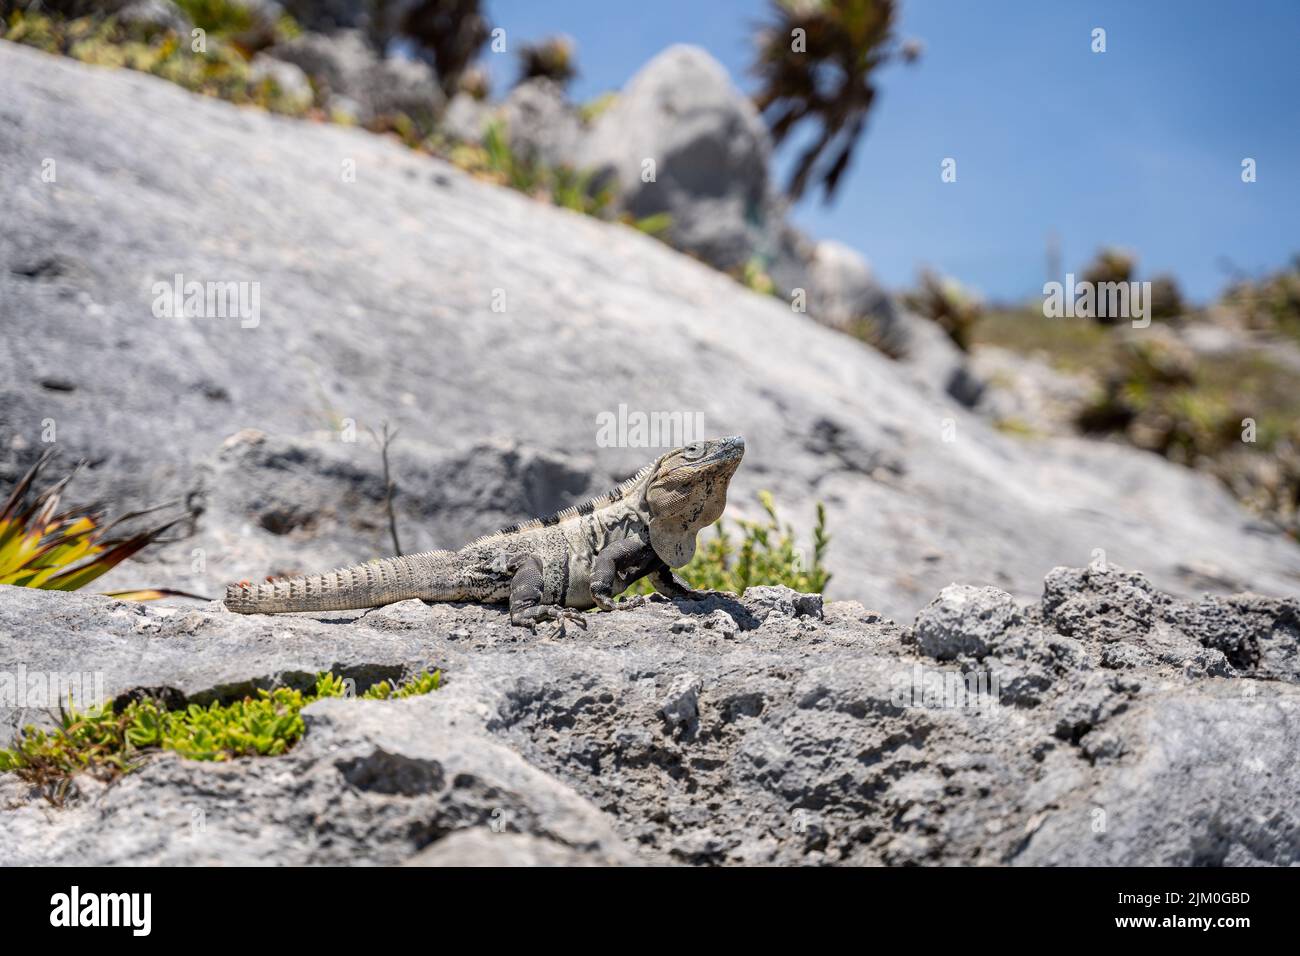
(1140, 146)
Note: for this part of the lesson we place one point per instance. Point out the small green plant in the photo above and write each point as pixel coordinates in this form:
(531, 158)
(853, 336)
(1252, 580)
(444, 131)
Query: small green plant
(656, 224)
(105, 742)
(1015, 426)
(422, 683)
(592, 110)
(766, 554)
(754, 276)
(495, 161)
(880, 335)
(513, 171)
(574, 189)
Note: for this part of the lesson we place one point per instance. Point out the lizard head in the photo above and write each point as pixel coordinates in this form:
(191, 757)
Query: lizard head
(687, 491)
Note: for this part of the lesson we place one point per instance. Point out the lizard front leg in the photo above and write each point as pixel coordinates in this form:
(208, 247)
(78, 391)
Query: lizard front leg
(526, 593)
(670, 585)
(616, 567)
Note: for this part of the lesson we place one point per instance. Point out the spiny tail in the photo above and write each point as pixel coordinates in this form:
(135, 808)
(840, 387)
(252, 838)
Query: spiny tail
(375, 583)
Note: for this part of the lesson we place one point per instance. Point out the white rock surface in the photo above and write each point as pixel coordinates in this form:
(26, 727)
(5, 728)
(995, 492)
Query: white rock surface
(376, 302)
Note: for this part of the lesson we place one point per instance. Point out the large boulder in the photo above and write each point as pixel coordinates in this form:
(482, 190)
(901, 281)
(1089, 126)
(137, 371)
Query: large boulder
(409, 26)
(542, 125)
(350, 75)
(466, 118)
(289, 78)
(263, 27)
(377, 304)
(330, 15)
(681, 121)
(842, 292)
(153, 15)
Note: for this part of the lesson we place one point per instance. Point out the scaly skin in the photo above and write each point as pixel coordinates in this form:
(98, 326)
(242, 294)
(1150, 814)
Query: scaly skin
(546, 568)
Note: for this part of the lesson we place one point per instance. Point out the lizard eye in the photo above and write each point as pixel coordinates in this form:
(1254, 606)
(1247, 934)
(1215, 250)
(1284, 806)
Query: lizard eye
(694, 450)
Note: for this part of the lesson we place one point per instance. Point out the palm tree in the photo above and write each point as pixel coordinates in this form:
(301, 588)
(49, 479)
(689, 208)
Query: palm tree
(451, 31)
(815, 60)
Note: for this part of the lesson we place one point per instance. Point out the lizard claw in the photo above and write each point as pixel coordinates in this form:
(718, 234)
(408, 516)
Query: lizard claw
(557, 618)
(559, 630)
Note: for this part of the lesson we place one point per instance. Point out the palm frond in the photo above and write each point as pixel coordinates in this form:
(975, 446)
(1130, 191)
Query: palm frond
(815, 62)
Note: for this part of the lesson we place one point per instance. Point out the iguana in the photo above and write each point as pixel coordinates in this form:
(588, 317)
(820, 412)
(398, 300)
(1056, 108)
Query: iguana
(546, 569)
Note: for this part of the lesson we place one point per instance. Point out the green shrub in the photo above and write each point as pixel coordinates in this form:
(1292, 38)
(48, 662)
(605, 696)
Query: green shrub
(218, 17)
(1270, 304)
(106, 742)
(1268, 484)
(766, 554)
(946, 301)
(754, 276)
(1153, 395)
(1110, 266)
(1166, 298)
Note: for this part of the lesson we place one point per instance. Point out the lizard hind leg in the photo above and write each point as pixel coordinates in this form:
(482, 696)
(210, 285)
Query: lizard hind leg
(526, 594)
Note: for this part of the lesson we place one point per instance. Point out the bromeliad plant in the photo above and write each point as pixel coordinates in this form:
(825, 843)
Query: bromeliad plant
(42, 546)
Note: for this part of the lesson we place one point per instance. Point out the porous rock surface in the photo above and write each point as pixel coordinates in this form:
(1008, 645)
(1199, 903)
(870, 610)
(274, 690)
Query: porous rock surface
(1106, 723)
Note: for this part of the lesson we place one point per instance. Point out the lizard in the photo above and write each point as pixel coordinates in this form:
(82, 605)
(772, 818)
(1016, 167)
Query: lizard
(545, 569)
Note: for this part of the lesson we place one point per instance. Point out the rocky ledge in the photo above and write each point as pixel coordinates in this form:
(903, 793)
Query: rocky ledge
(1108, 723)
